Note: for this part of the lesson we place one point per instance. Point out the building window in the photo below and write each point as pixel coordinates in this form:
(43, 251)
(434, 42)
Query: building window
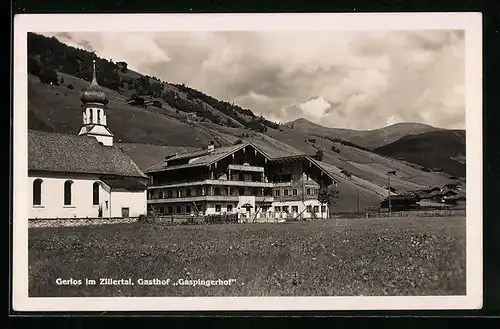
(229, 208)
(37, 192)
(170, 210)
(188, 192)
(295, 209)
(98, 116)
(277, 193)
(67, 192)
(294, 191)
(217, 190)
(218, 208)
(277, 209)
(285, 192)
(285, 209)
(309, 208)
(125, 212)
(178, 209)
(91, 112)
(323, 208)
(169, 193)
(162, 210)
(160, 192)
(188, 209)
(95, 193)
(316, 209)
(308, 191)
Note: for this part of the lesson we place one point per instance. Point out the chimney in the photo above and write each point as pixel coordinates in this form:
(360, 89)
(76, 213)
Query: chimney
(211, 146)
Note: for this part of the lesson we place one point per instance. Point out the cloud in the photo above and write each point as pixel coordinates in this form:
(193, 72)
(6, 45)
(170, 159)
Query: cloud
(315, 107)
(359, 80)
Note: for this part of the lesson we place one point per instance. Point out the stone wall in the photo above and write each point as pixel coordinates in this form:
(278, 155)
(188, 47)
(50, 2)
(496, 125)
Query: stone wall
(70, 222)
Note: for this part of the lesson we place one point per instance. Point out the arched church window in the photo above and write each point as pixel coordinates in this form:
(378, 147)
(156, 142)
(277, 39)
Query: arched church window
(90, 112)
(37, 192)
(67, 192)
(98, 116)
(95, 193)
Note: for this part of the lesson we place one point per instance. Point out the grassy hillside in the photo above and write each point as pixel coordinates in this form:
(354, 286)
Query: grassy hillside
(177, 123)
(369, 139)
(47, 58)
(434, 149)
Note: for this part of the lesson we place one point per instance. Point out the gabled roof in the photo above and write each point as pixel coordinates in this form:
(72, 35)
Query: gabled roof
(189, 155)
(200, 158)
(127, 183)
(55, 152)
(206, 157)
(403, 197)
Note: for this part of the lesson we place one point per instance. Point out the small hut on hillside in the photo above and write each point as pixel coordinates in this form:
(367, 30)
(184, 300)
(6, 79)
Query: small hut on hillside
(401, 202)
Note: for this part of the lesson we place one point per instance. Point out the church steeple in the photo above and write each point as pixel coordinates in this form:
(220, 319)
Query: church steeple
(94, 77)
(94, 101)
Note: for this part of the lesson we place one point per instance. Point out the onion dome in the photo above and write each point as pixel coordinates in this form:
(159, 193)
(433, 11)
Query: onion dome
(94, 93)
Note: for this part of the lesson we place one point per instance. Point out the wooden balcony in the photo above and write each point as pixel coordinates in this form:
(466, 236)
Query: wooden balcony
(284, 198)
(245, 168)
(227, 198)
(219, 182)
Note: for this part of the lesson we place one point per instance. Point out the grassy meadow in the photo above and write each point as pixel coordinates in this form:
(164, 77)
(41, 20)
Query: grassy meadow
(422, 256)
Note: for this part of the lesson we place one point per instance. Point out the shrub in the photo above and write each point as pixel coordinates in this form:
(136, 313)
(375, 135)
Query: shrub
(319, 155)
(71, 87)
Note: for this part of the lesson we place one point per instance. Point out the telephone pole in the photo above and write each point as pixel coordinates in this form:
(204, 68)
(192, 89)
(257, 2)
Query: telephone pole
(358, 201)
(389, 173)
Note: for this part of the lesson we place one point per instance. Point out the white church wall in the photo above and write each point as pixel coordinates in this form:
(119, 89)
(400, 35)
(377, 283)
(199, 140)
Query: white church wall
(136, 202)
(105, 140)
(52, 197)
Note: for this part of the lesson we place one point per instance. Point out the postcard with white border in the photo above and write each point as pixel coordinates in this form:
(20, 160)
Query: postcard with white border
(211, 162)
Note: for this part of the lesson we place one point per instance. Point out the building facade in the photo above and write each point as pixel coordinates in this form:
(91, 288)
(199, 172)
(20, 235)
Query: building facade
(85, 175)
(238, 179)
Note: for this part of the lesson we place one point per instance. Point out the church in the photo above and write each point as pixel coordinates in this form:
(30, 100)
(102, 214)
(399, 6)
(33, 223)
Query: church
(84, 175)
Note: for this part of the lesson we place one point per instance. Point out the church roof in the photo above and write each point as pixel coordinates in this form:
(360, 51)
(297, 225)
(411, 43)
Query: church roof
(55, 152)
(127, 183)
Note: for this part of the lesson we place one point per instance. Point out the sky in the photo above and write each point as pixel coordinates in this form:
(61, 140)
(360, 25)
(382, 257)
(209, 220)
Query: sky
(342, 79)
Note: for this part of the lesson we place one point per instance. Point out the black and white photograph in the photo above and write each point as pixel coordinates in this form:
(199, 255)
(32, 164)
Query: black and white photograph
(275, 162)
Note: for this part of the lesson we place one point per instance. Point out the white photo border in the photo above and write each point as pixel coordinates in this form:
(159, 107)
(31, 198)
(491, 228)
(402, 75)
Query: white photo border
(470, 22)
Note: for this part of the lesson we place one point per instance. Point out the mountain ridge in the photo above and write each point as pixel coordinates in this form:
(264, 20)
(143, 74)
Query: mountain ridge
(369, 139)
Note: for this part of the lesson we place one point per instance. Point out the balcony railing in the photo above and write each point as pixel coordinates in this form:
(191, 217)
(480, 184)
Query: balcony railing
(221, 182)
(283, 184)
(245, 168)
(228, 198)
